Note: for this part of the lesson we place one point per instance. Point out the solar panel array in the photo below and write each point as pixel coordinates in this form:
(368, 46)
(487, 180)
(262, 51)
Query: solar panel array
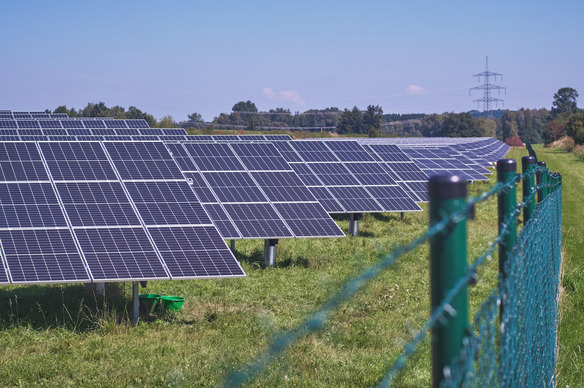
(344, 177)
(112, 211)
(250, 191)
(106, 202)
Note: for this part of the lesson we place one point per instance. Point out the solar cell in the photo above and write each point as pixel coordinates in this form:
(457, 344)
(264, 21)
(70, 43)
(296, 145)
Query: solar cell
(116, 124)
(370, 174)
(333, 174)
(137, 123)
(75, 124)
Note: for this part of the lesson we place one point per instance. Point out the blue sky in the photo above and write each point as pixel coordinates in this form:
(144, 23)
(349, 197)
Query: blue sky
(179, 57)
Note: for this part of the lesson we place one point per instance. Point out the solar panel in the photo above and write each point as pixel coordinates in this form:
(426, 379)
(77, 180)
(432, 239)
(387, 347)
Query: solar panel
(345, 170)
(170, 210)
(235, 178)
(10, 124)
(75, 124)
(195, 252)
(214, 157)
(21, 162)
(257, 220)
(50, 124)
(77, 161)
(143, 160)
(120, 254)
(97, 204)
(116, 124)
(30, 205)
(42, 256)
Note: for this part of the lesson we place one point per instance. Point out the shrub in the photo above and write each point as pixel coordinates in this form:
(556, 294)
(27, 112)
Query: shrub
(579, 152)
(514, 141)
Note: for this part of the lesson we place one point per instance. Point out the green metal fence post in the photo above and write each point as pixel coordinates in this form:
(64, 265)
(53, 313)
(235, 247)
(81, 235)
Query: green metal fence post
(528, 165)
(507, 205)
(542, 179)
(447, 266)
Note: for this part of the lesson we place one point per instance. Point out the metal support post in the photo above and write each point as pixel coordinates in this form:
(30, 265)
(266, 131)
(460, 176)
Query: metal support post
(447, 266)
(135, 303)
(402, 214)
(354, 224)
(270, 251)
(542, 180)
(507, 214)
(528, 165)
(232, 246)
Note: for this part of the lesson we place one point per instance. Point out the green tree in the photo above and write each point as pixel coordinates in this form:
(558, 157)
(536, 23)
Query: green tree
(350, 121)
(575, 127)
(166, 122)
(372, 120)
(251, 126)
(244, 106)
(460, 125)
(565, 100)
(196, 117)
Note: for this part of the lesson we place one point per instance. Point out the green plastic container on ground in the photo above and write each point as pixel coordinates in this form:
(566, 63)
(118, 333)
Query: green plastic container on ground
(149, 301)
(172, 303)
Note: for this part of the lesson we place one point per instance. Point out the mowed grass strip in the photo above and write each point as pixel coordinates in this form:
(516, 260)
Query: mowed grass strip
(62, 336)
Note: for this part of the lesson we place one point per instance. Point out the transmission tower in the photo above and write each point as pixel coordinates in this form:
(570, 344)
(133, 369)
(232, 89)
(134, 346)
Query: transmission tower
(487, 87)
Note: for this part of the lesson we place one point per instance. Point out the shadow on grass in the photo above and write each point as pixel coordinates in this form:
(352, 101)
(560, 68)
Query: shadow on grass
(68, 306)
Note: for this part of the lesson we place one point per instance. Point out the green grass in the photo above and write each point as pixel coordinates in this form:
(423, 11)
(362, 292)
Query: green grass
(63, 336)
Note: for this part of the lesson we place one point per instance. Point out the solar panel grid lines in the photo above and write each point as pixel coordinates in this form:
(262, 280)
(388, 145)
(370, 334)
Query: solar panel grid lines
(167, 205)
(42, 256)
(347, 175)
(259, 180)
(101, 215)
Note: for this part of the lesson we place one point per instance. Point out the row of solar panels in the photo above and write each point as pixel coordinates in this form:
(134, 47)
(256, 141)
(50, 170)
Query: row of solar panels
(7, 114)
(83, 211)
(89, 123)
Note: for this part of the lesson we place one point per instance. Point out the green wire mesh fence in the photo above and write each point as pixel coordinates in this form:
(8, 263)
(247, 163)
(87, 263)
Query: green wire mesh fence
(512, 339)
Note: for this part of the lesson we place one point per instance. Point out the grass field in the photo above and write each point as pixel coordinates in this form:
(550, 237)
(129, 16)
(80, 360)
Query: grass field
(63, 336)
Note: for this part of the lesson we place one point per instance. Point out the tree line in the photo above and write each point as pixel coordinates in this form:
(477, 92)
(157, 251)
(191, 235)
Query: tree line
(101, 110)
(533, 125)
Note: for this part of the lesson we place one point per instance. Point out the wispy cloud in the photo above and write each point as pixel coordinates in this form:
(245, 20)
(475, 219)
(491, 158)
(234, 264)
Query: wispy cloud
(284, 95)
(412, 90)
